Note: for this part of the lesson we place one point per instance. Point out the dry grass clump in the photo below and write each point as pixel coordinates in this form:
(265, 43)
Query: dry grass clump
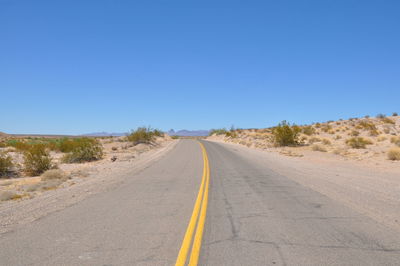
(313, 140)
(367, 125)
(54, 174)
(394, 154)
(285, 134)
(395, 140)
(37, 160)
(317, 147)
(387, 120)
(381, 138)
(354, 133)
(5, 163)
(86, 150)
(358, 142)
(326, 142)
(9, 195)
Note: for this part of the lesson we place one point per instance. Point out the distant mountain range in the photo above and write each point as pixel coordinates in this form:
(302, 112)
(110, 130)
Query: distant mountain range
(182, 133)
(104, 134)
(188, 133)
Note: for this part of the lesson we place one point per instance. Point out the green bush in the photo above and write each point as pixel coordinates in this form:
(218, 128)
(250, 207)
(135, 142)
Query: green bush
(142, 135)
(358, 142)
(220, 131)
(5, 163)
(286, 135)
(84, 150)
(37, 159)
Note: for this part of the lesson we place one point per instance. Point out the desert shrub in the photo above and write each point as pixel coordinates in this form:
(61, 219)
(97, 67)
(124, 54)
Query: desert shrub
(367, 125)
(84, 150)
(220, 131)
(358, 142)
(394, 154)
(374, 133)
(380, 116)
(313, 140)
(54, 174)
(395, 140)
(114, 148)
(285, 134)
(308, 130)
(37, 159)
(174, 137)
(158, 133)
(231, 134)
(381, 138)
(18, 144)
(141, 135)
(6, 163)
(326, 128)
(388, 120)
(317, 147)
(9, 195)
(337, 137)
(395, 114)
(354, 133)
(326, 142)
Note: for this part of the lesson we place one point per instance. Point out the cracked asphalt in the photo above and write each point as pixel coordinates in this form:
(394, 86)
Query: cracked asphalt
(254, 217)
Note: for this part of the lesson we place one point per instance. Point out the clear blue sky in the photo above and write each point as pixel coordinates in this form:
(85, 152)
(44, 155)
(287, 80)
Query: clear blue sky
(75, 67)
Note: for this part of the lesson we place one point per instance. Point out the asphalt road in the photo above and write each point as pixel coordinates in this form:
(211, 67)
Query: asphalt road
(254, 217)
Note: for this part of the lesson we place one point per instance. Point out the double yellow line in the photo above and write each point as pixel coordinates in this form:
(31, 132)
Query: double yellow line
(197, 220)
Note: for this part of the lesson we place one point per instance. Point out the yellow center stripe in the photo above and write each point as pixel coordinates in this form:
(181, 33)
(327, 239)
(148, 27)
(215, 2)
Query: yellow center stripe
(200, 207)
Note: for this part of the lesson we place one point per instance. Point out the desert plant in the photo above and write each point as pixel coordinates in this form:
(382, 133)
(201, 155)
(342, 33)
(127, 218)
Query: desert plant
(313, 140)
(358, 142)
(366, 125)
(141, 135)
(354, 133)
(394, 154)
(37, 159)
(53, 174)
(326, 142)
(6, 163)
(395, 140)
(317, 147)
(374, 133)
(174, 137)
(381, 138)
(85, 150)
(158, 133)
(308, 130)
(388, 120)
(380, 116)
(220, 131)
(285, 134)
(395, 114)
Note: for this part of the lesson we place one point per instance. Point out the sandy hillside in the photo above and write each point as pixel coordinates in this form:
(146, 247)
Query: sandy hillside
(332, 141)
